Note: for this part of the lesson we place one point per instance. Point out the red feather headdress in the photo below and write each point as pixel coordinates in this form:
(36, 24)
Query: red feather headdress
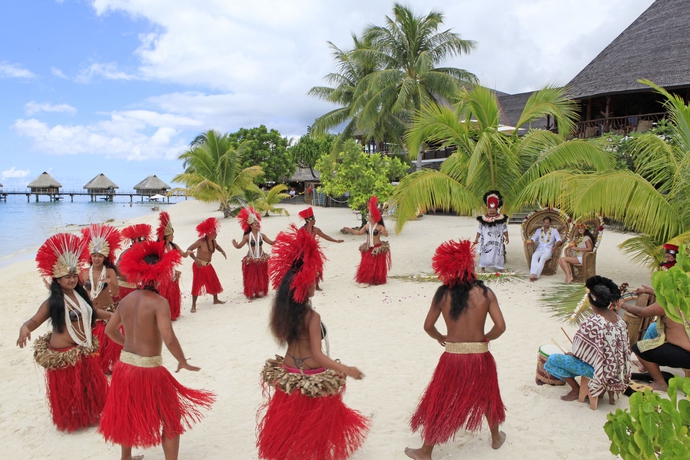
(374, 209)
(165, 227)
(102, 239)
(135, 268)
(138, 232)
(210, 225)
(307, 214)
(295, 248)
(247, 217)
(453, 262)
(61, 255)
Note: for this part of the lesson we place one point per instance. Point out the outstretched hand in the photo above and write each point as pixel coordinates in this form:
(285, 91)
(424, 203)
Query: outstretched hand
(354, 373)
(24, 335)
(186, 365)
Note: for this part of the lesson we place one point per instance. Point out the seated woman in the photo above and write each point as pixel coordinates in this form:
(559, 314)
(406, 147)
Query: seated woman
(583, 242)
(601, 350)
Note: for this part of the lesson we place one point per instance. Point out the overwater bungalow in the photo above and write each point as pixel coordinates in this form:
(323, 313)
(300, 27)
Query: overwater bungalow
(150, 186)
(45, 184)
(101, 186)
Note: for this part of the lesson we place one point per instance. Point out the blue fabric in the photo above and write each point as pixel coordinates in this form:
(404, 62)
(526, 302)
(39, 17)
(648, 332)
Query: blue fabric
(651, 332)
(566, 366)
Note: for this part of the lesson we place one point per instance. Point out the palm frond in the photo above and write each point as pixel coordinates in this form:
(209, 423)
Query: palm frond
(567, 302)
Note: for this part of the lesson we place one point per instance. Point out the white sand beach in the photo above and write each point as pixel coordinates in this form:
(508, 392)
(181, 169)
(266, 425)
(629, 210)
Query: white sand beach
(378, 329)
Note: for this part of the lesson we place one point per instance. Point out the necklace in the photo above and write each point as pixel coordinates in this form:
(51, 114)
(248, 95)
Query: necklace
(96, 288)
(548, 235)
(82, 334)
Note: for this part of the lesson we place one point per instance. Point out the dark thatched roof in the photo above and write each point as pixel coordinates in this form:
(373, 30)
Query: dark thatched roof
(45, 180)
(304, 175)
(152, 183)
(655, 46)
(100, 182)
(512, 105)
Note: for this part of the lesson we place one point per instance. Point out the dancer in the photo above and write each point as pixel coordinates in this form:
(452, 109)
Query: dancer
(313, 230)
(548, 240)
(464, 388)
(146, 406)
(492, 234)
(376, 255)
(255, 263)
(170, 286)
(75, 386)
(670, 252)
(583, 242)
(101, 284)
(305, 417)
(137, 233)
(204, 278)
(601, 347)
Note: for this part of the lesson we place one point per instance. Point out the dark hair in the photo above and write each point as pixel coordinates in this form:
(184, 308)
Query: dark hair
(545, 218)
(108, 264)
(56, 305)
(458, 296)
(287, 316)
(602, 291)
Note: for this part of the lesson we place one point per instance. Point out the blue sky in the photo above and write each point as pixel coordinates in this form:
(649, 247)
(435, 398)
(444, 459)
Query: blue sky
(122, 86)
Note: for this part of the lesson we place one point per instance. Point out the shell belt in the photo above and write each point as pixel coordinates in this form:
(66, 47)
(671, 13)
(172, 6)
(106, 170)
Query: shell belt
(312, 385)
(53, 359)
(466, 348)
(383, 248)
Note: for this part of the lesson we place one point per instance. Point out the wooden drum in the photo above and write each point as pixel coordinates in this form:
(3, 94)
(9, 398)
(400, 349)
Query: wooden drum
(544, 377)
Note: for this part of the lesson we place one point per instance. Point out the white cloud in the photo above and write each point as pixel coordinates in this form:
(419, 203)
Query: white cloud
(57, 72)
(34, 107)
(8, 70)
(108, 71)
(14, 173)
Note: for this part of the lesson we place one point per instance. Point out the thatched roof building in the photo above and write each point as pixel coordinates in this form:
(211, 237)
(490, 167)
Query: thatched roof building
(100, 184)
(152, 185)
(45, 183)
(304, 175)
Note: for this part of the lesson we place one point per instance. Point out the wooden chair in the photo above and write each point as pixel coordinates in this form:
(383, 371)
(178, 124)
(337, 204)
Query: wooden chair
(588, 267)
(638, 326)
(532, 223)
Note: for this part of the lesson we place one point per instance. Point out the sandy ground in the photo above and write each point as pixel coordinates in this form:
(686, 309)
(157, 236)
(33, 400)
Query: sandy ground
(378, 329)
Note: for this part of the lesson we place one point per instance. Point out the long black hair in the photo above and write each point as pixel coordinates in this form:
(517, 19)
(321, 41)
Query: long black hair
(458, 296)
(56, 304)
(287, 316)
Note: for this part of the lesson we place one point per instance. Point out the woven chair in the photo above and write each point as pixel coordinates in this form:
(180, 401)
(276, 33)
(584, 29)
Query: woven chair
(588, 267)
(532, 223)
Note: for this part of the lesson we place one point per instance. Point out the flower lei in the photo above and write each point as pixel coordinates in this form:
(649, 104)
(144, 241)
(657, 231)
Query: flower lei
(600, 233)
(564, 217)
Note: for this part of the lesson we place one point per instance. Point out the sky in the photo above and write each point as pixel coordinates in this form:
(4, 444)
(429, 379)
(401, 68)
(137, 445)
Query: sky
(121, 87)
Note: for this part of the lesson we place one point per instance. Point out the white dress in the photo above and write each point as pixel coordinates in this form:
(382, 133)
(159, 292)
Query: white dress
(491, 243)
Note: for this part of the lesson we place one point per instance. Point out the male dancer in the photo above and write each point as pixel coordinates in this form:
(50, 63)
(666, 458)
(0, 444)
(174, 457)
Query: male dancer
(492, 234)
(548, 240)
(205, 280)
(146, 406)
(464, 388)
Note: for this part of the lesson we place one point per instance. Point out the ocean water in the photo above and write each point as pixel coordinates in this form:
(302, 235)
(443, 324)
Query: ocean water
(25, 226)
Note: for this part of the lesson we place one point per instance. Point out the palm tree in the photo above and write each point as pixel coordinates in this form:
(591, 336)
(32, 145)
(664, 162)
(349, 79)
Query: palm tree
(265, 201)
(488, 159)
(213, 172)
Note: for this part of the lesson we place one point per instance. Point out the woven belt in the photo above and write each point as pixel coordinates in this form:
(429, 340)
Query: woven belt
(140, 361)
(466, 348)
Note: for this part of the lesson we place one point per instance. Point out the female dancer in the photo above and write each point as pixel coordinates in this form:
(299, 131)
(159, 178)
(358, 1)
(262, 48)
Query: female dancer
(583, 242)
(305, 417)
(100, 282)
(376, 256)
(75, 386)
(255, 263)
(170, 286)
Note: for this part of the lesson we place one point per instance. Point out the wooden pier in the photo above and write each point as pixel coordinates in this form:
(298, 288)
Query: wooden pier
(54, 195)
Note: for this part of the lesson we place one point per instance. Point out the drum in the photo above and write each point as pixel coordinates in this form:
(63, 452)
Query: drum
(544, 377)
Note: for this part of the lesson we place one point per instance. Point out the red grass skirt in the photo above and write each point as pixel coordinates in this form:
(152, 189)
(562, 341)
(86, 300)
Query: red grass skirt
(297, 427)
(146, 404)
(462, 391)
(171, 291)
(373, 269)
(124, 291)
(205, 280)
(108, 351)
(76, 393)
(255, 276)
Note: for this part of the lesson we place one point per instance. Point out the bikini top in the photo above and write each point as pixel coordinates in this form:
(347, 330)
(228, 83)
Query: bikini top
(324, 331)
(376, 232)
(253, 243)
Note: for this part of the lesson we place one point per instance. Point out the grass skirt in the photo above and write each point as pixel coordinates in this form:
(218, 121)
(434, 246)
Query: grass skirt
(146, 404)
(171, 291)
(375, 263)
(124, 291)
(76, 393)
(255, 276)
(205, 280)
(462, 391)
(108, 351)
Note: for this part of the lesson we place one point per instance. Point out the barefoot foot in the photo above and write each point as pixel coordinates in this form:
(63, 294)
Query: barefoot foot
(497, 443)
(417, 454)
(572, 396)
(193, 310)
(659, 386)
(533, 278)
(219, 302)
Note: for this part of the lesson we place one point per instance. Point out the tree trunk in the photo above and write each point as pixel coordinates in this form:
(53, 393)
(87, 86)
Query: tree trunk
(420, 152)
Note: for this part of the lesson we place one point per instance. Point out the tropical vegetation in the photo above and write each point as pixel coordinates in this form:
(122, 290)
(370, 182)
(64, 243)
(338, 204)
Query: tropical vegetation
(266, 201)
(264, 148)
(310, 148)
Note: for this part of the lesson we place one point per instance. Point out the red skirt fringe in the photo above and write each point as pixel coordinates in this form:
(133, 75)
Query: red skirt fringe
(462, 391)
(373, 269)
(76, 394)
(108, 351)
(171, 291)
(297, 427)
(255, 277)
(146, 404)
(205, 280)
(124, 291)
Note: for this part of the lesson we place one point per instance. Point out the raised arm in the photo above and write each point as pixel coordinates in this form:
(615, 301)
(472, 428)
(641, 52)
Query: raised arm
(242, 242)
(430, 322)
(643, 312)
(356, 232)
(497, 317)
(320, 358)
(267, 239)
(32, 324)
(318, 231)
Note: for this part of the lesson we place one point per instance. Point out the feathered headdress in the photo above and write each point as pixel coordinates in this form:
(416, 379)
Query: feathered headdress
(296, 249)
(493, 199)
(61, 255)
(453, 262)
(671, 248)
(210, 225)
(102, 239)
(374, 209)
(307, 214)
(165, 227)
(137, 270)
(138, 232)
(247, 217)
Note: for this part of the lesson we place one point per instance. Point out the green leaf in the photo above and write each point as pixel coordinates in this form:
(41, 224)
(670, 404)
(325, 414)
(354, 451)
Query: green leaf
(649, 424)
(644, 444)
(684, 409)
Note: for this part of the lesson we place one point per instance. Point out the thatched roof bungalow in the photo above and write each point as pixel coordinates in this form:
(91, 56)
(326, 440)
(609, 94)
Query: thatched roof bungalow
(45, 183)
(152, 185)
(100, 185)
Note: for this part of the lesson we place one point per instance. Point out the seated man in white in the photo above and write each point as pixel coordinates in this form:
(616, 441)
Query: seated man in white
(547, 241)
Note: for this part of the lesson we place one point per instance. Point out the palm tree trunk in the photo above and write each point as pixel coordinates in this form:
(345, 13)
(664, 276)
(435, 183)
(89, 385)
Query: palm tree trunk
(419, 158)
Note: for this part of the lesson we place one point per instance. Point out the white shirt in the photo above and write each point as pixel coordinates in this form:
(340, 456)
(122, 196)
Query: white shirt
(544, 243)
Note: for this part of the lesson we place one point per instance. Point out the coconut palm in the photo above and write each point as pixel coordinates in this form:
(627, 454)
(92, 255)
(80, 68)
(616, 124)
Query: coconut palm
(213, 172)
(488, 159)
(265, 201)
